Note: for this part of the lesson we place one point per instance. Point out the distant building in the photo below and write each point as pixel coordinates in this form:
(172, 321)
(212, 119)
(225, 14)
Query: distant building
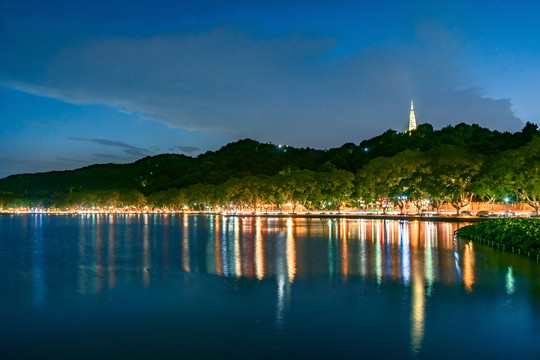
(412, 119)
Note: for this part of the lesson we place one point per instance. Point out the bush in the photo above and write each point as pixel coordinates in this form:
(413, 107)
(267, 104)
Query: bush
(519, 232)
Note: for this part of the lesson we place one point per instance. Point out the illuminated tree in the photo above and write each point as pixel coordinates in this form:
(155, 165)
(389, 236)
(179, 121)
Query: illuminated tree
(279, 190)
(374, 182)
(452, 170)
(201, 196)
(132, 198)
(522, 170)
(336, 187)
(490, 184)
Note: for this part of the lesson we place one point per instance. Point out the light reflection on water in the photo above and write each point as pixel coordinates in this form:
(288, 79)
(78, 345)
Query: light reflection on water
(264, 248)
(416, 255)
(510, 281)
(407, 252)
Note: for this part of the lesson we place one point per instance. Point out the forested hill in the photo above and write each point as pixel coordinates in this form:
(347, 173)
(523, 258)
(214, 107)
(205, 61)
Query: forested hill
(249, 157)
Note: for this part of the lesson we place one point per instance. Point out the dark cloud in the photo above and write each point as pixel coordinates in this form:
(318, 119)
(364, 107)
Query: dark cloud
(185, 149)
(127, 148)
(290, 89)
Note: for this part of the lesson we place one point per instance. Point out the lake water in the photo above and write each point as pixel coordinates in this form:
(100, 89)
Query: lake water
(179, 286)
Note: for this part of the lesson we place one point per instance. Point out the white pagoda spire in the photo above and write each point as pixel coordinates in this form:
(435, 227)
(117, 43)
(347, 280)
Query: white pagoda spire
(412, 119)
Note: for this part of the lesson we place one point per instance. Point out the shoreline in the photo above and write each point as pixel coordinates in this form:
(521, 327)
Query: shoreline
(368, 216)
(331, 215)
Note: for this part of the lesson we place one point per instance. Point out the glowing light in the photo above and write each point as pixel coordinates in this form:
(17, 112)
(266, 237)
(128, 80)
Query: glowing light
(405, 252)
(111, 256)
(185, 246)
(290, 252)
(217, 248)
(468, 267)
(417, 313)
(259, 251)
(210, 249)
(147, 256)
(429, 268)
(378, 258)
(510, 281)
(363, 251)
(344, 249)
(237, 254)
(412, 119)
(331, 256)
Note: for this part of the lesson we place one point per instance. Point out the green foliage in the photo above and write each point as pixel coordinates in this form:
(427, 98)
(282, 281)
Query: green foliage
(454, 168)
(132, 198)
(522, 171)
(491, 182)
(521, 233)
(172, 198)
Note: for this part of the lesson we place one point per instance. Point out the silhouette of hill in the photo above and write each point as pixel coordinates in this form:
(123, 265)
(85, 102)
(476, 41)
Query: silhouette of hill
(249, 157)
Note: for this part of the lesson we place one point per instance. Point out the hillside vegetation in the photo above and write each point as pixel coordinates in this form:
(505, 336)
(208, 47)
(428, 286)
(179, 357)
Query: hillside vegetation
(423, 167)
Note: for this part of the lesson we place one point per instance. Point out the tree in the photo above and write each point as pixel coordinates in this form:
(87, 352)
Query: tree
(201, 196)
(3, 199)
(489, 184)
(279, 190)
(172, 198)
(337, 187)
(408, 170)
(132, 198)
(374, 182)
(266, 192)
(523, 172)
(453, 168)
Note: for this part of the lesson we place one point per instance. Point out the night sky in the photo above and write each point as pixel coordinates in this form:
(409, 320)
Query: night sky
(85, 82)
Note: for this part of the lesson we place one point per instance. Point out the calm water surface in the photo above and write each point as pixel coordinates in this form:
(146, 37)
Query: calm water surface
(174, 286)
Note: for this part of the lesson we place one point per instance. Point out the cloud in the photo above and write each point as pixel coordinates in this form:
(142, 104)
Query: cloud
(42, 123)
(289, 89)
(127, 148)
(75, 161)
(18, 165)
(109, 156)
(185, 149)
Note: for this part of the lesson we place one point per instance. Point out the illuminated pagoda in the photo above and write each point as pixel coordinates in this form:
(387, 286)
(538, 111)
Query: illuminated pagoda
(412, 119)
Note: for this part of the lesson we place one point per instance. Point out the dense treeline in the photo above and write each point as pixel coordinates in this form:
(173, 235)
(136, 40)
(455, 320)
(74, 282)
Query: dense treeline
(423, 168)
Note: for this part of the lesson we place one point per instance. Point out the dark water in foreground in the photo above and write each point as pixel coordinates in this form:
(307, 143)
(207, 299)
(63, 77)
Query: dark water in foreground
(151, 286)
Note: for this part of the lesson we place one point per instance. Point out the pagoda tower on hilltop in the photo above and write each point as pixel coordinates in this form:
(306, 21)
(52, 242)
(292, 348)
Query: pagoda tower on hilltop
(412, 119)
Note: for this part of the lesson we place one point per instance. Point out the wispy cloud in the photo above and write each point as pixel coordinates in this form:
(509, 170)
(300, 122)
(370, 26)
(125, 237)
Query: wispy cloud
(42, 123)
(109, 156)
(185, 149)
(134, 151)
(69, 160)
(17, 165)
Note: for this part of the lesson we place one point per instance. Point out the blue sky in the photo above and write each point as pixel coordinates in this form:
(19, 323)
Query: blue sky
(97, 82)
